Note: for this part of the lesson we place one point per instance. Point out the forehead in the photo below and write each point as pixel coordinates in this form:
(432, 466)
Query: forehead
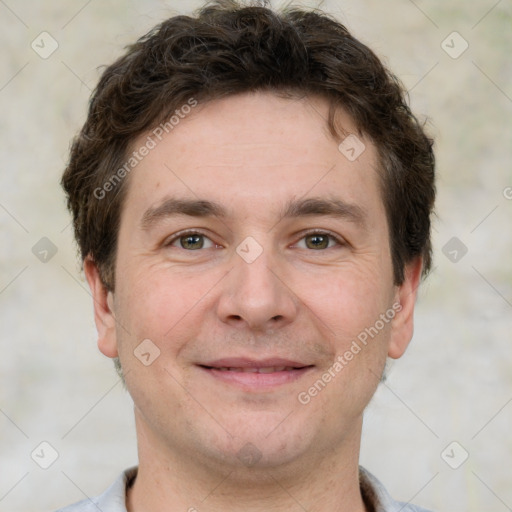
(254, 149)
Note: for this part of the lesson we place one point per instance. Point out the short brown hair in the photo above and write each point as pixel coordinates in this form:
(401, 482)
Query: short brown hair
(229, 48)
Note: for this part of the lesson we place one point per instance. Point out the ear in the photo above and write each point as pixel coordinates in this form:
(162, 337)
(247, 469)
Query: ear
(402, 327)
(103, 309)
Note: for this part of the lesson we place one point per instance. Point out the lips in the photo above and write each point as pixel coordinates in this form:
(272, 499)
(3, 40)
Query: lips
(269, 365)
(267, 369)
(256, 374)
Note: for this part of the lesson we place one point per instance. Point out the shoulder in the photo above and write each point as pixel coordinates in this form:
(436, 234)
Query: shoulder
(88, 505)
(112, 500)
(376, 495)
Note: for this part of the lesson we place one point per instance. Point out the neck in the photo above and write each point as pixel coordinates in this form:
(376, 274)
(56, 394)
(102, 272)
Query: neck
(327, 482)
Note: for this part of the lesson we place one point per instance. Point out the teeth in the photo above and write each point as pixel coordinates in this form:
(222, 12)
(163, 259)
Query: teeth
(272, 369)
(269, 369)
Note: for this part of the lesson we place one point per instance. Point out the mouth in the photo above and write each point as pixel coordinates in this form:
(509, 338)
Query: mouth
(267, 369)
(254, 375)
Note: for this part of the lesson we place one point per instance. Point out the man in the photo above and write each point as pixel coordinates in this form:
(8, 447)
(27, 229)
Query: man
(251, 196)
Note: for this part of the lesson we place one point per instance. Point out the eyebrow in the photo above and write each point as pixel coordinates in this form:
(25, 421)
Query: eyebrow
(174, 206)
(328, 207)
(313, 206)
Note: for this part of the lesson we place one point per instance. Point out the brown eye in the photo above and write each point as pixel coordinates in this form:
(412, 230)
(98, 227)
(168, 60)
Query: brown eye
(192, 242)
(317, 241)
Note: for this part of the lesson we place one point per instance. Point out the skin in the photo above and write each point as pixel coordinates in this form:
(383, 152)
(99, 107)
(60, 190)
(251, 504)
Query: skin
(251, 154)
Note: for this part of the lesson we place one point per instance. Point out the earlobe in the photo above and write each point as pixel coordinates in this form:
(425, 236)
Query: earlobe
(403, 323)
(103, 301)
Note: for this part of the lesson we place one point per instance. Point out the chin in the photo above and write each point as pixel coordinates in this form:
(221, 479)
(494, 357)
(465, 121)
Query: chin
(261, 441)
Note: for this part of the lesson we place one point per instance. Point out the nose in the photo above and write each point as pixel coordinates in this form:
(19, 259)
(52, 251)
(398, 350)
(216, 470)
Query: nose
(256, 295)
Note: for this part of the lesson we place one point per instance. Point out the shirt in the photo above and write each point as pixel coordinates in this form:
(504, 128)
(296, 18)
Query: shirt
(114, 498)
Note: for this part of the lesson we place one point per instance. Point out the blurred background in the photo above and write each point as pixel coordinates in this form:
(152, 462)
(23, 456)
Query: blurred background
(437, 432)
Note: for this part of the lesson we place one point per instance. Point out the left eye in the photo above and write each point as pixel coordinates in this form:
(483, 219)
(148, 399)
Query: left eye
(191, 241)
(318, 241)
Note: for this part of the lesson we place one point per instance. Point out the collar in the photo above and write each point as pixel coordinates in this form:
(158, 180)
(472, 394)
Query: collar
(375, 496)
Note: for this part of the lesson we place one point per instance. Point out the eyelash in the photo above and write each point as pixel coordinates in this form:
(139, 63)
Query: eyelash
(182, 234)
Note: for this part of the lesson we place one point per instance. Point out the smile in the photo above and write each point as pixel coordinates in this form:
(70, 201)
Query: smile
(251, 375)
(268, 369)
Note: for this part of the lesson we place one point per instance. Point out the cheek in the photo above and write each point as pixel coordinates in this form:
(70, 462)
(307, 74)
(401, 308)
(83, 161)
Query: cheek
(162, 305)
(349, 305)
(164, 308)
(348, 299)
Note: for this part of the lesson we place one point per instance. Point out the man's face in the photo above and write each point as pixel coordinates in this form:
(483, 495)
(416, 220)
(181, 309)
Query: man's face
(252, 297)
